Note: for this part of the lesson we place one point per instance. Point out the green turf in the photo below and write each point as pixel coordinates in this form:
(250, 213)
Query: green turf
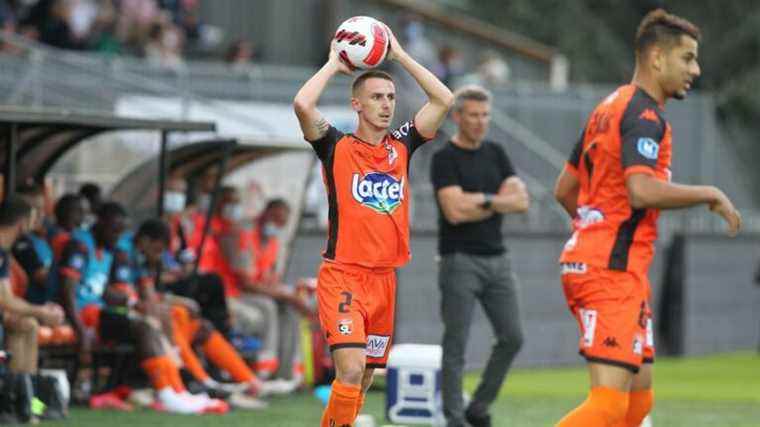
(710, 391)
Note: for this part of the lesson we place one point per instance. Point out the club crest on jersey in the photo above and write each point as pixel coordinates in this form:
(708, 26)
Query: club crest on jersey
(378, 191)
(392, 153)
(648, 148)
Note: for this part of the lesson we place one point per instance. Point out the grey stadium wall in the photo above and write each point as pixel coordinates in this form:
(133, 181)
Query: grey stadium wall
(721, 310)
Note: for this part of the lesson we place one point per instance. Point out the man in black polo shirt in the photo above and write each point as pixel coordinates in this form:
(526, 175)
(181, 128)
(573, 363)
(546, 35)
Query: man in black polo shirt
(475, 186)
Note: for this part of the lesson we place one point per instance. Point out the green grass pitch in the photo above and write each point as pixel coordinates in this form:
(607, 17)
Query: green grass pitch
(721, 390)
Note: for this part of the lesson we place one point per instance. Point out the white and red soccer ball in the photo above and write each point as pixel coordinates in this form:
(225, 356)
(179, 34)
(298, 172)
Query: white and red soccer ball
(361, 42)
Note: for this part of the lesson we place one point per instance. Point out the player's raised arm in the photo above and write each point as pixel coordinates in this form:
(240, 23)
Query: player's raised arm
(440, 99)
(313, 124)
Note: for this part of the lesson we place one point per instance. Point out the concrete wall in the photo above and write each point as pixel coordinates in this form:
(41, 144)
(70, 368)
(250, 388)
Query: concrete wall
(721, 307)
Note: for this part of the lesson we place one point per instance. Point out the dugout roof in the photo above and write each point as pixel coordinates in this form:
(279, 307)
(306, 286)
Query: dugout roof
(138, 189)
(35, 139)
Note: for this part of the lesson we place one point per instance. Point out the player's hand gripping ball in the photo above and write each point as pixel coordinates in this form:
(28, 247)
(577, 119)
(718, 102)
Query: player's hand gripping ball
(361, 42)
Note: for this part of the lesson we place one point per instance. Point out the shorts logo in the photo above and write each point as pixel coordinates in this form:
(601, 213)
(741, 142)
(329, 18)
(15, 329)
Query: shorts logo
(573, 268)
(344, 326)
(648, 148)
(638, 345)
(378, 191)
(611, 342)
(588, 320)
(377, 345)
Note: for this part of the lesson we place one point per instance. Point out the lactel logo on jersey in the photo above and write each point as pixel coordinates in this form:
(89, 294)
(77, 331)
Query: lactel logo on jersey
(378, 191)
(648, 148)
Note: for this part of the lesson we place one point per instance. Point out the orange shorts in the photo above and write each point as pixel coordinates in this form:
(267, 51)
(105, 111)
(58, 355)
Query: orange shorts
(613, 313)
(356, 308)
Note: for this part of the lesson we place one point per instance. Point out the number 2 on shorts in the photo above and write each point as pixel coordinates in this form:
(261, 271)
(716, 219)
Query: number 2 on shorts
(347, 297)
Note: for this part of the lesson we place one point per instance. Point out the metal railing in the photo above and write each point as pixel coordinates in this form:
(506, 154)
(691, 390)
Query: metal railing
(536, 124)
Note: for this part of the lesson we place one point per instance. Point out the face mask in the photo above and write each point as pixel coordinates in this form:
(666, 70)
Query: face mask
(233, 212)
(204, 202)
(271, 230)
(174, 202)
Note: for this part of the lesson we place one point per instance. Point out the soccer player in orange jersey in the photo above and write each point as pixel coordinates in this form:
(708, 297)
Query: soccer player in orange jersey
(613, 186)
(366, 176)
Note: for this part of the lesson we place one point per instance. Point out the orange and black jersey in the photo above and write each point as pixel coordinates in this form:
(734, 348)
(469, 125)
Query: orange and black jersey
(626, 134)
(368, 196)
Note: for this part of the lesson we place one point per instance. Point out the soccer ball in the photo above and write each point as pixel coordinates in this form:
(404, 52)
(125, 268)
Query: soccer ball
(361, 42)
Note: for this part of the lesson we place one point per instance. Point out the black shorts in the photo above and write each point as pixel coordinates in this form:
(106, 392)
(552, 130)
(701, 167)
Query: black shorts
(115, 328)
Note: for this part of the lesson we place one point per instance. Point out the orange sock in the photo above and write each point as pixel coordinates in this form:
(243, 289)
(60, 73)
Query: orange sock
(639, 405)
(158, 370)
(222, 354)
(189, 358)
(359, 404)
(175, 377)
(604, 407)
(341, 409)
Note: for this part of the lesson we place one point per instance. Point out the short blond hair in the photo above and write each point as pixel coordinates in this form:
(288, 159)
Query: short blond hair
(470, 93)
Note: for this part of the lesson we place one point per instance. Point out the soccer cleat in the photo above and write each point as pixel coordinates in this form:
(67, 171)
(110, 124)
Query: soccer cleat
(142, 397)
(241, 401)
(216, 406)
(109, 400)
(477, 420)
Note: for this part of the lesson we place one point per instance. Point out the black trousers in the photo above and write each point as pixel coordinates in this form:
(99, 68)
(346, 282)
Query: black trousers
(208, 291)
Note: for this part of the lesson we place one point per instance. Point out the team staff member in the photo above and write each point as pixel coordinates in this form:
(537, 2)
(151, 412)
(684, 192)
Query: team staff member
(613, 186)
(366, 175)
(475, 186)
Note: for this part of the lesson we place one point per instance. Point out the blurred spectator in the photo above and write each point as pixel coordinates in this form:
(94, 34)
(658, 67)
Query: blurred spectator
(492, 70)
(136, 17)
(81, 17)
(164, 47)
(416, 42)
(104, 37)
(449, 66)
(240, 54)
(56, 29)
(7, 22)
(158, 30)
(188, 19)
